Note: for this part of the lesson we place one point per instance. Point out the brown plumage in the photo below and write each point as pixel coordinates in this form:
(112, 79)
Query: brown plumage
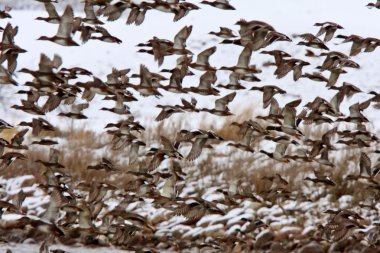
(320, 178)
(327, 28)
(220, 4)
(312, 41)
(221, 105)
(9, 158)
(268, 93)
(225, 33)
(63, 36)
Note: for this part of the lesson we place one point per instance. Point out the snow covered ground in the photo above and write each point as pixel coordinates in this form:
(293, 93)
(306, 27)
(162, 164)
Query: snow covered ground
(34, 248)
(289, 17)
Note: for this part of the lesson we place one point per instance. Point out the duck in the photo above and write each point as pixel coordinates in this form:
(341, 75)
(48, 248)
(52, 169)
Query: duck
(74, 71)
(182, 9)
(120, 108)
(47, 1)
(319, 146)
(105, 36)
(159, 50)
(341, 224)
(29, 107)
(4, 125)
(243, 66)
(279, 153)
(370, 44)
(311, 54)
(18, 139)
(46, 78)
(288, 65)
(9, 157)
(54, 100)
(189, 106)
(324, 158)
(347, 89)
(167, 111)
(246, 133)
(315, 76)
(274, 36)
(312, 41)
(361, 134)
(162, 48)
(134, 147)
(4, 13)
(117, 78)
(205, 81)
(6, 77)
(375, 99)
(284, 139)
(312, 117)
(376, 5)
(9, 50)
(254, 32)
(127, 125)
(202, 62)
(44, 142)
(175, 80)
(104, 164)
(366, 171)
(125, 96)
(166, 6)
(278, 182)
(91, 88)
(63, 36)
(179, 42)
(76, 111)
(365, 165)
(91, 17)
(182, 63)
(289, 124)
(320, 178)
(137, 13)
(53, 17)
(332, 60)
(168, 151)
(145, 87)
(36, 225)
(268, 93)
(334, 76)
(357, 43)
(115, 10)
(234, 83)
(328, 28)
(196, 208)
(220, 4)
(199, 138)
(278, 55)
(355, 113)
(221, 108)
(224, 32)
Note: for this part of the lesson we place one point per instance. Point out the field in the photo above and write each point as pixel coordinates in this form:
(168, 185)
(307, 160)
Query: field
(142, 185)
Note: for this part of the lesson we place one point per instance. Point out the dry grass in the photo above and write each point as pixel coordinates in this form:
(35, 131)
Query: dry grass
(83, 147)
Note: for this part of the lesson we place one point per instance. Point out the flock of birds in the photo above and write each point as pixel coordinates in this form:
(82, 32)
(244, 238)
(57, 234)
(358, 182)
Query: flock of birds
(77, 212)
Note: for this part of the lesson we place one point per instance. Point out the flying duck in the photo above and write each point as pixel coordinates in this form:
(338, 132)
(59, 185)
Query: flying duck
(63, 36)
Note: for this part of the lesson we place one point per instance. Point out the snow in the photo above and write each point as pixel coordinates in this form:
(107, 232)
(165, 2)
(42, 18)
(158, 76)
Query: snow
(345, 200)
(13, 185)
(289, 17)
(34, 248)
